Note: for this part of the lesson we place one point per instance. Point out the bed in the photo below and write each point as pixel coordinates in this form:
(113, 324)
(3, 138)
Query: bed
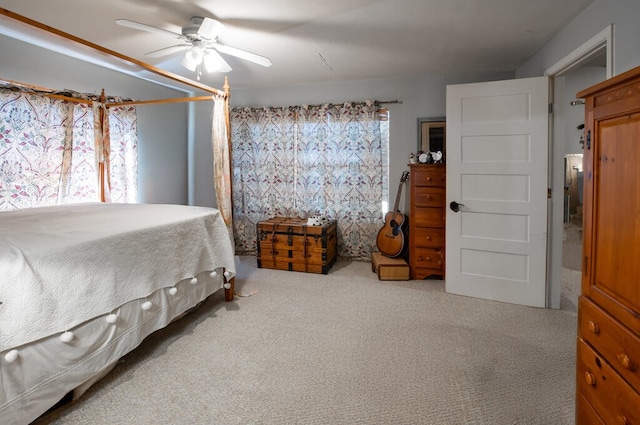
(82, 285)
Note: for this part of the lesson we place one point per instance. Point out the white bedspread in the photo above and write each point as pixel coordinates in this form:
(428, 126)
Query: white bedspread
(61, 266)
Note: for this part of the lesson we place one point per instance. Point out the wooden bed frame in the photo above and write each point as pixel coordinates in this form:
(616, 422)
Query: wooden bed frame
(226, 92)
(213, 93)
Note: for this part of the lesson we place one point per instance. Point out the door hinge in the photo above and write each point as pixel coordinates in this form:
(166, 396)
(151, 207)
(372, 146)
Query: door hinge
(548, 193)
(551, 108)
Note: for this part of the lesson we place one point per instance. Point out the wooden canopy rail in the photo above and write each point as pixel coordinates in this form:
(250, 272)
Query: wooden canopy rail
(51, 93)
(77, 40)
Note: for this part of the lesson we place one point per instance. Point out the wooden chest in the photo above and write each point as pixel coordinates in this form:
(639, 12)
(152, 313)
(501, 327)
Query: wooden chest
(290, 244)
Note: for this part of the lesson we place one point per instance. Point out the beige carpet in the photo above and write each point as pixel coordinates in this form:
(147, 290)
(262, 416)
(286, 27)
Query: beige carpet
(571, 266)
(343, 348)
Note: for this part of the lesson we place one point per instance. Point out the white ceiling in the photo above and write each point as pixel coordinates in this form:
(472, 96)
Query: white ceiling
(315, 41)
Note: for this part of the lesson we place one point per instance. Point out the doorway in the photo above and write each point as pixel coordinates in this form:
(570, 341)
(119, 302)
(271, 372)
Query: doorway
(586, 66)
(577, 79)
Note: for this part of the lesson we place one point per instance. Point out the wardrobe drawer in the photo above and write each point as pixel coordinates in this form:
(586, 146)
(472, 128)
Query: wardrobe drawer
(428, 237)
(429, 197)
(428, 217)
(585, 415)
(610, 396)
(614, 342)
(429, 177)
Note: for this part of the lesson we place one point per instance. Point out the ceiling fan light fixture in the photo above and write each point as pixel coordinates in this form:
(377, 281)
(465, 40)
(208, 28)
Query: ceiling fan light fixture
(200, 38)
(192, 58)
(213, 62)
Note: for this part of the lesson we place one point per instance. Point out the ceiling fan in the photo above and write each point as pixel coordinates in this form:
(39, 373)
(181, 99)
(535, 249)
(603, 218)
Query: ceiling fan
(200, 40)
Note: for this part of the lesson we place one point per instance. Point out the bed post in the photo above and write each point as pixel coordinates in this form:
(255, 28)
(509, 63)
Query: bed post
(102, 160)
(229, 293)
(227, 119)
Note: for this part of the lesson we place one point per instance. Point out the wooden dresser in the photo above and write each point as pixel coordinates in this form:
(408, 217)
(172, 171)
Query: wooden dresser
(426, 220)
(608, 348)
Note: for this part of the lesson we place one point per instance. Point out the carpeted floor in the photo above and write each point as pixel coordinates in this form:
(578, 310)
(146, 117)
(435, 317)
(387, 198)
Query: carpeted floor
(571, 266)
(343, 348)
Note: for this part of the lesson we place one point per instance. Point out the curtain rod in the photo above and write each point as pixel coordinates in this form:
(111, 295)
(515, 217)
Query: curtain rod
(381, 102)
(29, 88)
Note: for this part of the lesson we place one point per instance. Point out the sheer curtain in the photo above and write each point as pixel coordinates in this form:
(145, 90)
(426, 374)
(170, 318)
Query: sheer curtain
(221, 161)
(48, 152)
(310, 160)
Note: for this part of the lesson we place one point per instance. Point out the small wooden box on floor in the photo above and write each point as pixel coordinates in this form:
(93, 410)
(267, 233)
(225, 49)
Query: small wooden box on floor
(389, 268)
(290, 244)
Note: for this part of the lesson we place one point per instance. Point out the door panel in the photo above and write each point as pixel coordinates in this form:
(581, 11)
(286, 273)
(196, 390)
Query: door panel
(497, 146)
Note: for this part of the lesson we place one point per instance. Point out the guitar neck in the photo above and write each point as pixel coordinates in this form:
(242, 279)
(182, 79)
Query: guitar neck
(395, 206)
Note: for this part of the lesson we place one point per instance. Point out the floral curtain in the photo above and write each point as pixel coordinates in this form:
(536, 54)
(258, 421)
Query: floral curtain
(309, 160)
(123, 155)
(48, 151)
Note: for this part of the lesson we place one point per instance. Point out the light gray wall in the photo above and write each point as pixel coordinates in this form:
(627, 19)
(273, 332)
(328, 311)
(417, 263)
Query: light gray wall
(162, 153)
(624, 14)
(162, 129)
(175, 151)
(420, 97)
(201, 187)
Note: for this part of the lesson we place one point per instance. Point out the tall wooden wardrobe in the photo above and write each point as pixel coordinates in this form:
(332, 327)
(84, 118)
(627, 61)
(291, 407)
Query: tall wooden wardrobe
(608, 344)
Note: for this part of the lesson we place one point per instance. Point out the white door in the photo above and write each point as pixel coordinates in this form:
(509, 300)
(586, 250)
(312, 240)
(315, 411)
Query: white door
(497, 146)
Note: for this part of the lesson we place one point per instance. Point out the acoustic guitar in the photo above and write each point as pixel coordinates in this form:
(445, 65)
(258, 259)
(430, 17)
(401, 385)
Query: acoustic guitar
(392, 238)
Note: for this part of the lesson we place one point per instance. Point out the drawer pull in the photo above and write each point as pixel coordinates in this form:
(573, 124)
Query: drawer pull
(593, 327)
(625, 361)
(591, 380)
(622, 420)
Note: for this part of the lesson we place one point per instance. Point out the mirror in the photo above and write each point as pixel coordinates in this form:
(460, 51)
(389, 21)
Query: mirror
(432, 134)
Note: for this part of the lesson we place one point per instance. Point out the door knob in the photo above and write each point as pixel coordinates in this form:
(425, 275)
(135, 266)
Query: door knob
(455, 207)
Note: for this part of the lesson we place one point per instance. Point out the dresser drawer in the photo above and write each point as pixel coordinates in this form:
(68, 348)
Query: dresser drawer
(419, 273)
(428, 217)
(429, 177)
(429, 196)
(428, 237)
(610, 396)
(430, 258)
(614, 342)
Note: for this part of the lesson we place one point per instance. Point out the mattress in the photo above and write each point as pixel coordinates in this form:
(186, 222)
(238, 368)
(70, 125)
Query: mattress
(83, 285)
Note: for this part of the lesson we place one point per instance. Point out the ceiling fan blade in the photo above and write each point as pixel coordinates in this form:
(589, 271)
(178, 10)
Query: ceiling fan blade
(243, 54)
(147, 28)
(167, 50)
(213, 62)
(210, 28)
